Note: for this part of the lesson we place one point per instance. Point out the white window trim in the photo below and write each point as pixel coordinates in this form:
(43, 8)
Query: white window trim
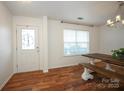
(71, 55)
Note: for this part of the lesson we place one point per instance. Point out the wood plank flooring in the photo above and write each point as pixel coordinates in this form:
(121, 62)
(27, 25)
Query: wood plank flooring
(58, 79)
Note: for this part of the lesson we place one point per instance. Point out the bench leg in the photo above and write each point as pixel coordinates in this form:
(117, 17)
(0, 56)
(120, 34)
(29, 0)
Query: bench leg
(86, 74)
(108, 67)
(92, 61)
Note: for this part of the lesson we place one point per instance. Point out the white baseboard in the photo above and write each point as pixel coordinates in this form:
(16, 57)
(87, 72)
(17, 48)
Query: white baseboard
(64, 66)
(45, 71)
(4, 83)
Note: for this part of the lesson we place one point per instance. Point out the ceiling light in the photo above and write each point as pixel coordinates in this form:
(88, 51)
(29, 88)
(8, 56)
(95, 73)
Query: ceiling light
(118, 18)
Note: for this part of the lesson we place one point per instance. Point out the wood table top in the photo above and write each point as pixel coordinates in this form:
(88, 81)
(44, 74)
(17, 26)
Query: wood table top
(105, 58)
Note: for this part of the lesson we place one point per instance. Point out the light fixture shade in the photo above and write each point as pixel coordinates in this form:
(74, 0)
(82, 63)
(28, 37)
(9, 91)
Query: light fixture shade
(118, 18)
(110, 23)
(123, 22)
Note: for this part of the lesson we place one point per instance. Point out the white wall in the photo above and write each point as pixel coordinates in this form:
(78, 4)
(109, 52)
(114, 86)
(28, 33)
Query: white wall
(6, 65)
(55, 52)
(102, 39)
(56, 46)
(111, 38)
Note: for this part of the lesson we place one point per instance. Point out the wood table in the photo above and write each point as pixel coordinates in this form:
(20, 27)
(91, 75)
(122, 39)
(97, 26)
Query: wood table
(105, 58)
(108, 71)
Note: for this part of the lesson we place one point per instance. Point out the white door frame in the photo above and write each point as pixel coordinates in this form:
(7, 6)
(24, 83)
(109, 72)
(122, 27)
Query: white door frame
(43, 41)
(16, 45)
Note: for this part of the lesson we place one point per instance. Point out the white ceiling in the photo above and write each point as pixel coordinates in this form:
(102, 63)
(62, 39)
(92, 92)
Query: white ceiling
(93, 12)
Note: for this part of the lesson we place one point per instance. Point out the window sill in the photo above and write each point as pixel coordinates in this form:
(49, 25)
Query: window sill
(71, 55)
(74, 55)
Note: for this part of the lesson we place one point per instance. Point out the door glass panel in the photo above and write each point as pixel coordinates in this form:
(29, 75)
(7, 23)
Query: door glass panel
(28, 39)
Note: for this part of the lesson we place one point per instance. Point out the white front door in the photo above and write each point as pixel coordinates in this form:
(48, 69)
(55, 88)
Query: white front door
(27, 49)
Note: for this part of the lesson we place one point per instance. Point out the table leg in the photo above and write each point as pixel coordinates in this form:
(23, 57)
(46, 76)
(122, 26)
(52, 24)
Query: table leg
(108, 67)
(86, 74)
(92, 61)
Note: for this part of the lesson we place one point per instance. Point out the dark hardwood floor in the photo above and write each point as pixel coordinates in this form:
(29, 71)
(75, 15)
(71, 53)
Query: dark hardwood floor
(66, 78)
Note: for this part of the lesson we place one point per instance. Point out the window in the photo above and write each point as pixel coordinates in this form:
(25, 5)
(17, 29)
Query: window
(28, 39)
(76, 42)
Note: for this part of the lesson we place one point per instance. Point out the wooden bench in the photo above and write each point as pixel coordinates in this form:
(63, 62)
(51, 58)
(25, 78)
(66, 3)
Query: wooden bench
(107, 71)
(104, 72)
